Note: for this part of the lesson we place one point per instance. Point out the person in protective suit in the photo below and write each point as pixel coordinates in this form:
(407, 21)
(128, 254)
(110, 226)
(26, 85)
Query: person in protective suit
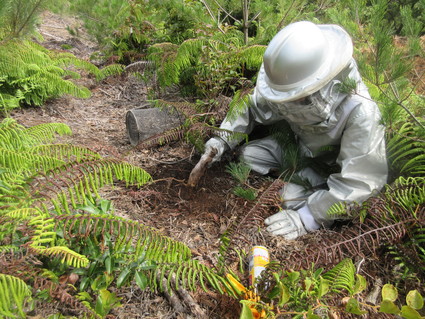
(300, 82)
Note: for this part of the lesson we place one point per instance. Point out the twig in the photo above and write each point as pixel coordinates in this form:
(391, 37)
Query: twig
(53, 36)
(106, 93)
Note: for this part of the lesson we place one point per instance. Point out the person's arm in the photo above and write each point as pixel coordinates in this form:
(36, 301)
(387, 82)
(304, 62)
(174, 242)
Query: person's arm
(363, 163)
(254, 112)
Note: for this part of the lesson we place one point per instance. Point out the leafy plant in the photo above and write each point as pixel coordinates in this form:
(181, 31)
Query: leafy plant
(310, 294)
(19, 18)
(240, 172)
(31, 74)
(14, 296)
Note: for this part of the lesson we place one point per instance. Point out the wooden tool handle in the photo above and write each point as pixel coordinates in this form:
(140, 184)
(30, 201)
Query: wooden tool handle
(199, 170)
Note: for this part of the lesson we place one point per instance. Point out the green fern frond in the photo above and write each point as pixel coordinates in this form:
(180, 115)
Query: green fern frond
(67, 256)
(64, 152)
(409, 193)
(74, 183)
(12, 135)
(128, 234)
(32, 74)
(343, 210)
(15, 161)
(239, 171)
(14, 294)
(110, 70)
(342, 276)
(226, 134)
(21, 213)
(8, 249)
(188, 274)
(46, 132)
(188, 51)
(252, 56)
(186, 108)
(246, 193)
(238, 105)
(406, 150)
(43, 231)
(26, 162)
(174, 134)
(163, 56)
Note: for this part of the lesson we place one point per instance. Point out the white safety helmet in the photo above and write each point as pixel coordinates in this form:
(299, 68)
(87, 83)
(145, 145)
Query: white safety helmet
(301, 59)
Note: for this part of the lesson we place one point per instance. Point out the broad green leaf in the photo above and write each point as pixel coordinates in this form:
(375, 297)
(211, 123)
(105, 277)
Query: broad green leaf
(308, 282)
(387, 306)
(408, 312)
(415, 300)
(246, 311)
(360, 284)
(293, 276)
(105, 205)
(275, 292)
(100, 307)
(353, 307)
(122, 278)
(311, 315)
(105, 301)
(108, 264)
(285, 295)
(389, 292)
(99, 283)
(323, 287)
(141, 279)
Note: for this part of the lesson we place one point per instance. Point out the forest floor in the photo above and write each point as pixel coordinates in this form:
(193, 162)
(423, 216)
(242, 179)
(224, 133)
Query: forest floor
(196, 216)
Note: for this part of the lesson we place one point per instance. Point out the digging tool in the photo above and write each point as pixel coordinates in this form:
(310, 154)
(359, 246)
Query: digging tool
(199, 170)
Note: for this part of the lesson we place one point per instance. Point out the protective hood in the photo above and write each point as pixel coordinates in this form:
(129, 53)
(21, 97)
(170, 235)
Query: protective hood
(338, 54)
(318, 108)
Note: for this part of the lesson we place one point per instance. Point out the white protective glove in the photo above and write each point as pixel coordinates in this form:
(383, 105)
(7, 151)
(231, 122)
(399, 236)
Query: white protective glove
(289, 223)
(218, 144)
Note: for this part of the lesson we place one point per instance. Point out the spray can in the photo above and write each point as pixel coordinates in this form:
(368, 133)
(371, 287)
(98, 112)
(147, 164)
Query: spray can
(258, 259)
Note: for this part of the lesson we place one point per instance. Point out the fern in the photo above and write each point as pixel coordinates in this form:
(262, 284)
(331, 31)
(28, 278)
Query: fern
(406, 150)
(252, 56)
(188, 274)
(342, 276)
(19, 19)
(36, 177)
(148, 242)
(172, 258)
(239, 171)
(407, 193)
(31, 74)
(14, 295)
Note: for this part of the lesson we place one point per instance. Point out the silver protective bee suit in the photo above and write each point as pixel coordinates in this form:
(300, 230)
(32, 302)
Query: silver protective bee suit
(332, 118)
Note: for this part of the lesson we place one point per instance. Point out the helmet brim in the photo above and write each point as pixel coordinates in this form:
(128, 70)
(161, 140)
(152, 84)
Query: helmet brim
(340, 52)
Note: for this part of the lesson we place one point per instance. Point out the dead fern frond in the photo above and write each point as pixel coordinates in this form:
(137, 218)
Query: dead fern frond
(247, 225)
(186, 108)
(175, 134)
(76, 183)
(363, 239)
